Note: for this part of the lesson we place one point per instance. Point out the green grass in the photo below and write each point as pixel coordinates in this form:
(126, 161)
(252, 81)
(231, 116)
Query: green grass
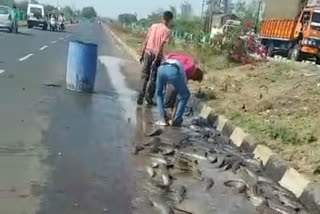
(275, 131)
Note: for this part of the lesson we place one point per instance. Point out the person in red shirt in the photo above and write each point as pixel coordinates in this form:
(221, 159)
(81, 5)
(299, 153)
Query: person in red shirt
(157, 36)
(192, 73)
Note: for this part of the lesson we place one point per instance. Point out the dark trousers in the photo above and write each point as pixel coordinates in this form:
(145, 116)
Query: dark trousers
(148, 77)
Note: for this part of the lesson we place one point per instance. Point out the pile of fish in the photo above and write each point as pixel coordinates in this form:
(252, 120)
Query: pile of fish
(203, 143)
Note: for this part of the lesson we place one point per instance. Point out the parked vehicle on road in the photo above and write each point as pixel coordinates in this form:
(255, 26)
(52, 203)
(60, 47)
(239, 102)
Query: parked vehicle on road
(36, 16)
(291, 28)
(6, 20)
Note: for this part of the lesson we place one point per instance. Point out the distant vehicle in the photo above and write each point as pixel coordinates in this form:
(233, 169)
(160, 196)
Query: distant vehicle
(292, 28)
(36, 16)
(6, 19)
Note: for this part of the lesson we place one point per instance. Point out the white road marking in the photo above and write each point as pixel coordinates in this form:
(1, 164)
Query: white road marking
(25, 57)
(68, 36)
(44, 47)
(2, 71)
(61, 38)
(54, 42)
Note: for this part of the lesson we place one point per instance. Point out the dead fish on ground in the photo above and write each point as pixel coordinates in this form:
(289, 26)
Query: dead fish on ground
(180, 192)
(161, 206)
(181, 210)
(264, 209)
(153, 141)
(280, 208)
(137, 149)
(154, 133)
(208, 184)
(53, 85)
(195, 128)
(151, 172)
(212, 158)
(155, 165)
(195, 155)
(168, 152)
(160, 160)
(255, 200)
(238, 185)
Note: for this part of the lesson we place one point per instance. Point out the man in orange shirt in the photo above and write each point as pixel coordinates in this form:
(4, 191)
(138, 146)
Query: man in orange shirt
(152, 51)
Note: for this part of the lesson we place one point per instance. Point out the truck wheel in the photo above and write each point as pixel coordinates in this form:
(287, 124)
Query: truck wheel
(29, 26)
(271, 50)
(318, 60)
(295, 53)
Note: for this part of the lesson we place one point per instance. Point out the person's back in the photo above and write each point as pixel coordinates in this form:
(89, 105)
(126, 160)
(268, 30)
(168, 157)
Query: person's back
(157, 35)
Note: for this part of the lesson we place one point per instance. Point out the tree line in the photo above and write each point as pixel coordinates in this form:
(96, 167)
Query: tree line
(86, 12)
(185, 19)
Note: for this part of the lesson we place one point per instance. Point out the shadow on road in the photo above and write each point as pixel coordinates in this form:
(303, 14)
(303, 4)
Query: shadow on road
(25, 34)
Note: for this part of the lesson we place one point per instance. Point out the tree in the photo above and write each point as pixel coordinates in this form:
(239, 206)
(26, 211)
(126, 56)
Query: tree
(127, 18)
(173, 10)
(9, 3)
(48, 8)
(68, 12)
(89, 12)
(186, 10)
(22, 5)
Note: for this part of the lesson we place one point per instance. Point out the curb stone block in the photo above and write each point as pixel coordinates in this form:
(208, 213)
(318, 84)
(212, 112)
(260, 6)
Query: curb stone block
(221, 122)
(311, 198)
(205, 112)
(263, 153)
(227, 129)
(238, 136)
(294, 182)
(249, 144)
(276, 167)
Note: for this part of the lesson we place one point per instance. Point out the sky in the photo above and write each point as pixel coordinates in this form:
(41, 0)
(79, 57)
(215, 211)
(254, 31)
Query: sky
(112, 8)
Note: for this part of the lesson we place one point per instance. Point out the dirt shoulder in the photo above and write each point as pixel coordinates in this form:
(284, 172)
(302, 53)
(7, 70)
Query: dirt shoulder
(276, 102)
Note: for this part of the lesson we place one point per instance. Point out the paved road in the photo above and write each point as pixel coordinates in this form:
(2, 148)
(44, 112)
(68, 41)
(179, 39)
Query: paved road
(64, 152)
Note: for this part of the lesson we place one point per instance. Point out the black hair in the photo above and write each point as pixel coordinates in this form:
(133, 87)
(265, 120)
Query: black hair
(167, 16)
(14, 7)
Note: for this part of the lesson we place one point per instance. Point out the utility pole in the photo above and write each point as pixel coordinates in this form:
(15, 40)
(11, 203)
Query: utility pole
(258, 16)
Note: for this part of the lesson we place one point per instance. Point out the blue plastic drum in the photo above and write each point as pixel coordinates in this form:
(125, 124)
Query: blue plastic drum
(82, 66)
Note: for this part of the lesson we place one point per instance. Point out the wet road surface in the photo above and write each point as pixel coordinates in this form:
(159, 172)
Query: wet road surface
(65, 152)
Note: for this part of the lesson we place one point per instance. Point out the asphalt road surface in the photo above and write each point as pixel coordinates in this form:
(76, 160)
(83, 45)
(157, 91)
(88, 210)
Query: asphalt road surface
(66, 152)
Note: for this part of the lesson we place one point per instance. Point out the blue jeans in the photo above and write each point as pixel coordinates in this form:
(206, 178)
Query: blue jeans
(171, 74)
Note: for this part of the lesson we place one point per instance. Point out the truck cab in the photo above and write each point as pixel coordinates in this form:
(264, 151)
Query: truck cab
(307, 34)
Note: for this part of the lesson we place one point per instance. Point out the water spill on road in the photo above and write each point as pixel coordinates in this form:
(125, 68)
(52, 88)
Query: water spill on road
(113, 66)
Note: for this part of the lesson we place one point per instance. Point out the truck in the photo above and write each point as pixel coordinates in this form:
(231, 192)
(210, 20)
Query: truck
(291, 28)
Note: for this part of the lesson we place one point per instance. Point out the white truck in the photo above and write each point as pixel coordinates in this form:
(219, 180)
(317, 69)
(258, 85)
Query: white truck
(36, 16)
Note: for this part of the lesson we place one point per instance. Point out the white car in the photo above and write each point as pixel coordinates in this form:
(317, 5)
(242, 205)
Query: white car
(5, 18)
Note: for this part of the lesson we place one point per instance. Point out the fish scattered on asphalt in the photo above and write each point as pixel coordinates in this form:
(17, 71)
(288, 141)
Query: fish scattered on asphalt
(137, 149)
(155, 133)
(161, 206)
(153, 141)
(53, 85)
(181, 210)
(238, 185)
(280, 207)
(160, 160)
(151, 172)
(180, 192)
(168, 152)
(155, 165)
(208, 184)
(212, 158)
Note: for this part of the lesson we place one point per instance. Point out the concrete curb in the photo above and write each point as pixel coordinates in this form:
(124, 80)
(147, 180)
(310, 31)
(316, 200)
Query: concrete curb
(275, 167)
